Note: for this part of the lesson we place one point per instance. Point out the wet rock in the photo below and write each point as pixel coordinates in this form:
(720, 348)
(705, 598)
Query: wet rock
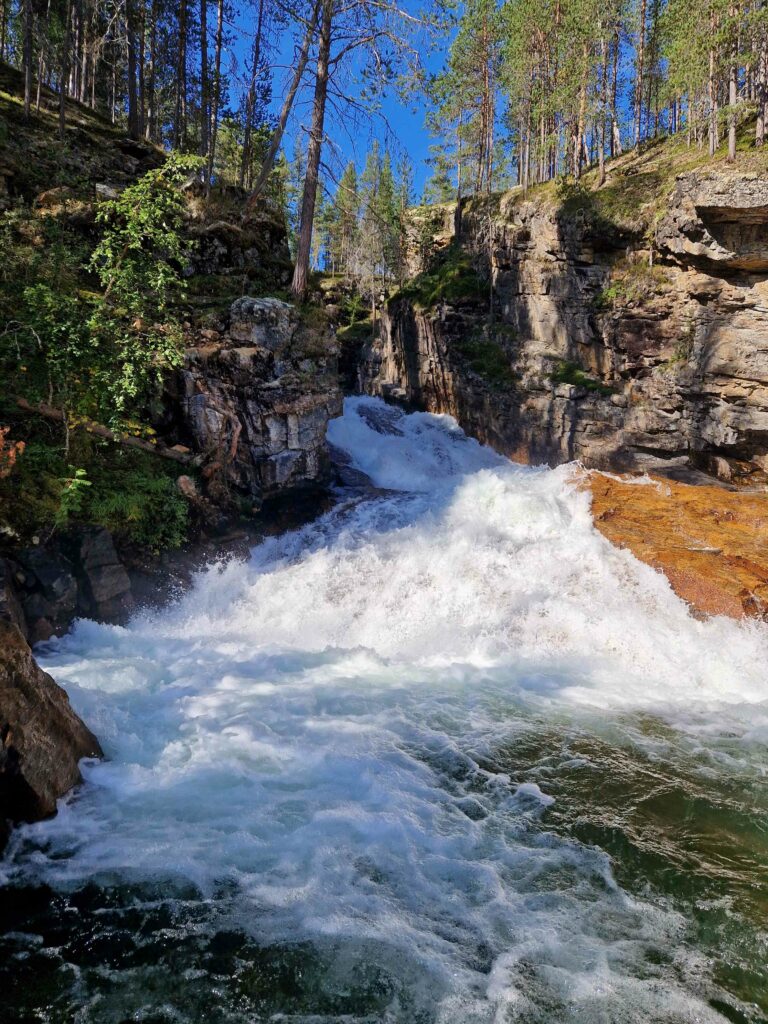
(105, 589)
(42, 740)
(709, 541)
(668, 361)
(48, 594)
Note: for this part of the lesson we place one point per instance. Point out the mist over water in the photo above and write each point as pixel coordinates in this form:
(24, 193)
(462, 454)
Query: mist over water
(444, 755)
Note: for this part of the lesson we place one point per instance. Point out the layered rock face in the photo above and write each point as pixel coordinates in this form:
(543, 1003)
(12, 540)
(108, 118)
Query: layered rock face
(41, 738)
(256, 398)
(622, 353)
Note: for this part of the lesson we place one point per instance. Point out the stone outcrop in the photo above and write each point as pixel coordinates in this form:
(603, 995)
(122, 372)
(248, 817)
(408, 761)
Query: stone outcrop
(708, 541)
(256, 398)
(42, 740)
(43, 588)
(618, 353)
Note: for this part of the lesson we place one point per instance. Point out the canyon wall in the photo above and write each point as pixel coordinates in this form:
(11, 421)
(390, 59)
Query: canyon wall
(625, 348)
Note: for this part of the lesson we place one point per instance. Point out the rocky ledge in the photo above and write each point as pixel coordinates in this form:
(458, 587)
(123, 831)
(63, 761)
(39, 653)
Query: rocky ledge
(255, 399)
(41, 738)
(710, 542)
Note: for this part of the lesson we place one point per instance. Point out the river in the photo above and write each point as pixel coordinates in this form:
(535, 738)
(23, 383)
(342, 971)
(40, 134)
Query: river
(443, 756)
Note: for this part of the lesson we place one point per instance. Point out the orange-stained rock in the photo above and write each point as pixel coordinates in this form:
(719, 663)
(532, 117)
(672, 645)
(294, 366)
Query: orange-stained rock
(711, 543)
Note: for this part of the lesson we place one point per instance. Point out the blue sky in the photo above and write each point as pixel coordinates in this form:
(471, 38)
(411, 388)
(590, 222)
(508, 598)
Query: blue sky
(398, 125)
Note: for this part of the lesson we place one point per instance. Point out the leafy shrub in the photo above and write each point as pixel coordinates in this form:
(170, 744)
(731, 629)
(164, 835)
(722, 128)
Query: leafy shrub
(451, 278)
(146, 508)
(486, 357)
(569, 373)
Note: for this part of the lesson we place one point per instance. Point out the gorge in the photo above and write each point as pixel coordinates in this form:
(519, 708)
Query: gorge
(414, 662)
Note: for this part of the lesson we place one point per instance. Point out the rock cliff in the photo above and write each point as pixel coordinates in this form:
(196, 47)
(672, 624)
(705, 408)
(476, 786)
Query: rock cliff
(585, 337)
(255, 399)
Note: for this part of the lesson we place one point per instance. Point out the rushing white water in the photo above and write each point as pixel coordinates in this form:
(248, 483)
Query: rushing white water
(309, 738)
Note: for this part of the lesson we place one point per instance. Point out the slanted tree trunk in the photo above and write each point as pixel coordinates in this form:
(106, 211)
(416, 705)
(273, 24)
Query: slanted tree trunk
(309, 197)
(285, 110)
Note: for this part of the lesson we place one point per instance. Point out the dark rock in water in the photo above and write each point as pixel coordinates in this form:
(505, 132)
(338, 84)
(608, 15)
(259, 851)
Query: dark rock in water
(41, 738)
(105, 590)
(49, 591)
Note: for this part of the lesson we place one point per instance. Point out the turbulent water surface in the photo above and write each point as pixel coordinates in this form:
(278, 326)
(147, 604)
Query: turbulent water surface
(442, 756)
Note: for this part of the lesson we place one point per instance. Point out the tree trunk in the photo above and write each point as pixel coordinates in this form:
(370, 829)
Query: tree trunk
(640, 72)
(712, 91)
(762, 91)
(133, 108)
(578, 142)
(602, 111)
(66, 46)
(732, 88)
(250, 103)
(27, 56)
(277, 136)
(216, 93)
(180, 115)
(205, 109)
(141, 109)
(304, 245)
(151, 73)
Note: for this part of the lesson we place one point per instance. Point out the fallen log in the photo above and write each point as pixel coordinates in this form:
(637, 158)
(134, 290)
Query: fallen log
(118, 437)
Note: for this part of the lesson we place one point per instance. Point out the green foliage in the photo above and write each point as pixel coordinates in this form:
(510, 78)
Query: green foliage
(73, 495)
(570, 373)
(141, 252)
(141, 504)
(98, 354)
(451, 278)
(353, 307)
(631, 281)
(486, 357)
(131, 493)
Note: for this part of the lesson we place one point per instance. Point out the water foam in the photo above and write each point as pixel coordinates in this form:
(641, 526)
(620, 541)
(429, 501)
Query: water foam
(312, 730)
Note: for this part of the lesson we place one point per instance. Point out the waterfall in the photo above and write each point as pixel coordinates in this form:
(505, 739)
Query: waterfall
(433, 752)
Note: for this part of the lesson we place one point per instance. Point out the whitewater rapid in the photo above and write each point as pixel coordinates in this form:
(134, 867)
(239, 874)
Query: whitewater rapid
(312, 740)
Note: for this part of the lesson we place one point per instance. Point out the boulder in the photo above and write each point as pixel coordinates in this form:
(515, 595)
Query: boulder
(42, 740)
(105, 589)
(256, 400)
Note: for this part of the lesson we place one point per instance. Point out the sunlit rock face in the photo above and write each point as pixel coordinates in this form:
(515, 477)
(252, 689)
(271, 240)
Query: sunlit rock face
(41, 738)
(620, 353)
(256, 398)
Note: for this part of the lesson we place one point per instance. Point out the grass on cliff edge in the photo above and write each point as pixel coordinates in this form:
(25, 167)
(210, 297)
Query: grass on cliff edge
(638, 183)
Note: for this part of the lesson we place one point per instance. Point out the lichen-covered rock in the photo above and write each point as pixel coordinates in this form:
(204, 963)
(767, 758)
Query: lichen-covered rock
(256, 400)
(42, 740)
